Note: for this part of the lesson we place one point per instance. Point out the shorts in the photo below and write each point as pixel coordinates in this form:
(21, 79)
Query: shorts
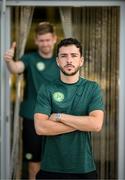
(53, 175)
(32, 143)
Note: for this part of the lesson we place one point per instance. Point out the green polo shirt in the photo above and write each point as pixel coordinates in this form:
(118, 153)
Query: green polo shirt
(69, 152)
(38, 71)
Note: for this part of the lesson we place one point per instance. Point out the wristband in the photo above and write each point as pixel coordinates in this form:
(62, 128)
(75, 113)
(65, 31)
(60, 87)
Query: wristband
(58, 117)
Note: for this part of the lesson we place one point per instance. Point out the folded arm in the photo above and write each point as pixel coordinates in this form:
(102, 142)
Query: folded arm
(92, 122)
(44, 126)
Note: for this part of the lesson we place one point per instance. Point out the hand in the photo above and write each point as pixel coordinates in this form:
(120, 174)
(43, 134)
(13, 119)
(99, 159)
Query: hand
(53, 117)
(10, 53)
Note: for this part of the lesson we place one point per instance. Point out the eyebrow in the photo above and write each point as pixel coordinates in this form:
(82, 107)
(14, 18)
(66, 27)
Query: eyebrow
(70, 53)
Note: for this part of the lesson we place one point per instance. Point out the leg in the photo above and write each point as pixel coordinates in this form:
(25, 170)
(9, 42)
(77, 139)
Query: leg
(33, 167)
(31, 148)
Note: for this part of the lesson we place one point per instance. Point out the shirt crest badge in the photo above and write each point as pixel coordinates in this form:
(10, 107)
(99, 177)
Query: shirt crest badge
(58, 96)
(40, 66)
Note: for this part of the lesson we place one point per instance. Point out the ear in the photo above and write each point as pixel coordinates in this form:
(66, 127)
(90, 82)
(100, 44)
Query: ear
(82, 61)
(55, 38)
(57, 61)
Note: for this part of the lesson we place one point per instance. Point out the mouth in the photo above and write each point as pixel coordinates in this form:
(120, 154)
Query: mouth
(69, 66)
(45, 47)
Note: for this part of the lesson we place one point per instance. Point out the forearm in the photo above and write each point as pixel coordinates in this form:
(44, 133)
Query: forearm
(92, 122)
(15, 67)
(44, 126)
(82, 123)
(11, 66)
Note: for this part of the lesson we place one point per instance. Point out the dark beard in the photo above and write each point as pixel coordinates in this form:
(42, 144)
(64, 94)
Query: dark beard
(65, 73)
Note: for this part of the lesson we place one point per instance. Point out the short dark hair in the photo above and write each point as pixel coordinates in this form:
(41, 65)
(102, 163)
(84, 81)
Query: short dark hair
(67, 42)
(43, 28)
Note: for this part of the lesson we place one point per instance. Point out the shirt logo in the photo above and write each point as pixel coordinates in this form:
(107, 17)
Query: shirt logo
(40, 66)
(58, 96)
(28, 156)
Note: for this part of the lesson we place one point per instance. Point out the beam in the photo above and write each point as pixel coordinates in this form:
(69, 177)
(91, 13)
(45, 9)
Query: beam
(4, 94)
(63, 3)
(121, 118)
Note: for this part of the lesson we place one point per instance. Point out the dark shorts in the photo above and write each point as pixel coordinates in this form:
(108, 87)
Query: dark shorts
(31, 142)
(51, 175)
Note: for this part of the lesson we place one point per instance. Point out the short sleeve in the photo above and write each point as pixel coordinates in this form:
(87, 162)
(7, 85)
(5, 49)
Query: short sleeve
(97, 99)
(25, 60)
(43, 102)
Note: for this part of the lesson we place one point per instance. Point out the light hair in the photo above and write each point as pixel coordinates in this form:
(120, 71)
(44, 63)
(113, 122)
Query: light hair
(43, 28)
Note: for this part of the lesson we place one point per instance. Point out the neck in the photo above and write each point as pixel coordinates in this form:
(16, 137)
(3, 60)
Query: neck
(46, 56)
(69, 79)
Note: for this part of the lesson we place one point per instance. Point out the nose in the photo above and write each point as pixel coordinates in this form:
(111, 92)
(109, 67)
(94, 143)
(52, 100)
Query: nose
(44, 43)
(69, 59)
